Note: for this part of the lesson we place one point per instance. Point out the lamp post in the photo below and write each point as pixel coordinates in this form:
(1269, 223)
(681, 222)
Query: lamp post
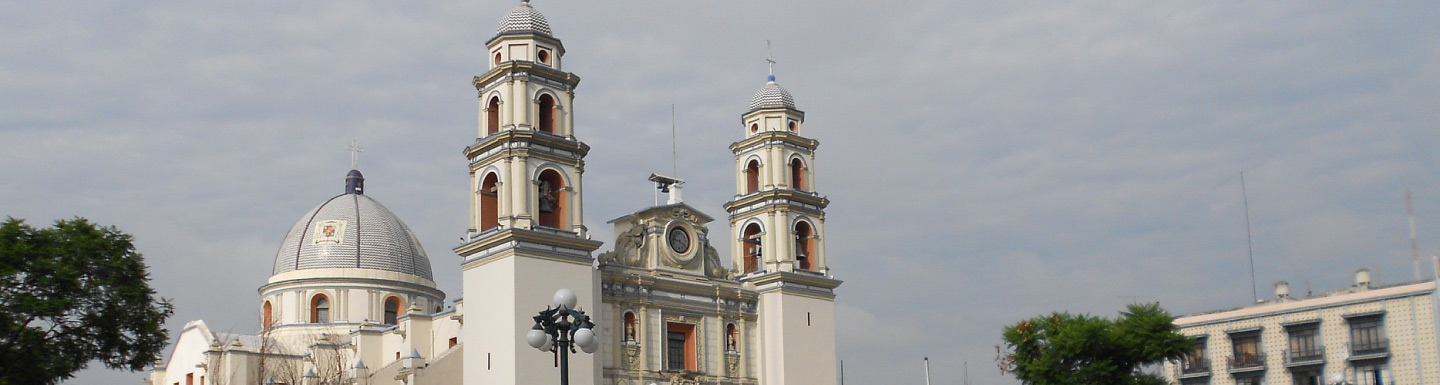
(561, 329)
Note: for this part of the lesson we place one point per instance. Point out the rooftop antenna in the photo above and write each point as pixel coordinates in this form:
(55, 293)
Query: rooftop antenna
(355, 151)
(674, 159)
(1414, 245)
(1249, 244)
(927, 370)
(967, 372)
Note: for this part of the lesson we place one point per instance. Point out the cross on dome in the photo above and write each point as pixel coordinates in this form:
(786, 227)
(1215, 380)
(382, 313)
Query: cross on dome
(355, 151)
(770, 59)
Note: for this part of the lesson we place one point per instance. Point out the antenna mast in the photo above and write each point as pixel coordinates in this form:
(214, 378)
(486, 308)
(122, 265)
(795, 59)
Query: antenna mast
(1249, 244)
(674, 162)
(1414, 245)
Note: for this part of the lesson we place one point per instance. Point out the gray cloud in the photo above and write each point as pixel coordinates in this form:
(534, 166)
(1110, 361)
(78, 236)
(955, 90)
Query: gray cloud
(987, 162)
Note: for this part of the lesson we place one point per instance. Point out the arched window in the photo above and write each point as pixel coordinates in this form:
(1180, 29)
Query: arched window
(266, 320)
(752, 176)
(489, 202)
(492, 115)
(797, 174)
(732, 338)
(392, 310)
(551, 199)
(751, 243)
(804, 244)
(547, 114)
(319, 309)
(631, 328)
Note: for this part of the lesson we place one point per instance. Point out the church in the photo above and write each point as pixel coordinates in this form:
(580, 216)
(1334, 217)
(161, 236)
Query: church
(352, 299)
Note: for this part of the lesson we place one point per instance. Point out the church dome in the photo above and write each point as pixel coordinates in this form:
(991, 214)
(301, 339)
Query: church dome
(772, 95)
(351, 230)
(524, 18)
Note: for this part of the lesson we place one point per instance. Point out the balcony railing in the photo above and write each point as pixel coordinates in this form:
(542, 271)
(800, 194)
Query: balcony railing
(1247, 362)
(1194, 366)
(1305, 356)
(1377, 348)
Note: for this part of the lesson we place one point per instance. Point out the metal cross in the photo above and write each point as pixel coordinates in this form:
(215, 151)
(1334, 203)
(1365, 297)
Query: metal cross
(355, 151)
(769, 58)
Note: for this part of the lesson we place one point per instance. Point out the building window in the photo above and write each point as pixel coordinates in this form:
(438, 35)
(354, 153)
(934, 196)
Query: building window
(319, 309)
(497, 58)
(804, 245)
(266, 320)
(754, 128)
(1246, 352)
(490, 202)
(752, 176)
(492, 116)
(1367, 336)
(544, 56)
(1307, 377)
(1305, 344)
(392, 310)
(792, 126)
(680, 347)
(550, 193)
(546, 114)
(1372, 375)
(454, 341)
(751, 243)
(631, 327)
(1248, 380)
(1196, 361)
(189, 378)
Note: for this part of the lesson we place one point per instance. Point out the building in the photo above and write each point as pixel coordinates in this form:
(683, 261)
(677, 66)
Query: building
(352, 299)
(1361, 335)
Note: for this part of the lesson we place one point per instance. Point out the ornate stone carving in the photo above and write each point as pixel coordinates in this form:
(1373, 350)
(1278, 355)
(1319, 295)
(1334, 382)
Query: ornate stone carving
(732, 363)
(629, 247)
(713, 268)
(683, 378)
(632, 355)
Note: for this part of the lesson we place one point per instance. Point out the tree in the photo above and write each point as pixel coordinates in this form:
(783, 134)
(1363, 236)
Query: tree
(1065, 349)
(72, 294)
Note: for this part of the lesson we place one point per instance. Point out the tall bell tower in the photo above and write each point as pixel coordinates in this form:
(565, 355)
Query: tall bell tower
(779, 223)
(526, 238)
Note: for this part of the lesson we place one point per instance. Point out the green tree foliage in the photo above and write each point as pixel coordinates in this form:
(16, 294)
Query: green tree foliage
(70, 295)
(1066, 349)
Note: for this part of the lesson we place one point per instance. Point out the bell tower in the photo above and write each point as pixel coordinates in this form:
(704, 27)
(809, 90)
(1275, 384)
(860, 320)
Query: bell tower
(527, 237)
(778, 221)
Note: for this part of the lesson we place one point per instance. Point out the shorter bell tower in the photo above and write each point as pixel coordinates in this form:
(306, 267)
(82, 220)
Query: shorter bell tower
(778, 221)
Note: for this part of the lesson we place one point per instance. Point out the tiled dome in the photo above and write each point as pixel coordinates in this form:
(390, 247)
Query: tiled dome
(352, 231)
(772, 95)
(524, 18)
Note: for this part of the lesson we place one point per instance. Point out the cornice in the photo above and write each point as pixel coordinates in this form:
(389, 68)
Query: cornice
(526, 68)
(531, 142)
(796, 199)
(774, 138)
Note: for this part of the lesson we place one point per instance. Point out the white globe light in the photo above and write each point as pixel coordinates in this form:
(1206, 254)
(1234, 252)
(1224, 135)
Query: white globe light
(565, 298)
(547, 346)
(536, 338)
(589, 348)
(585, 338)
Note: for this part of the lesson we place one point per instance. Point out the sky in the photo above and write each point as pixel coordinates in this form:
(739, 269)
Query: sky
(986, 161)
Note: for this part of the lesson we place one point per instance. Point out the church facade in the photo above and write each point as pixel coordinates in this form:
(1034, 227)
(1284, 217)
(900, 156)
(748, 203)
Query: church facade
(351, 299)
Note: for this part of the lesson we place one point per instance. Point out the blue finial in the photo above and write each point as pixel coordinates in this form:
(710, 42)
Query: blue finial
(770, 78)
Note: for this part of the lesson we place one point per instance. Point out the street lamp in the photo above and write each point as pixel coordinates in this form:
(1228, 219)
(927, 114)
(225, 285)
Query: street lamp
(562, 329)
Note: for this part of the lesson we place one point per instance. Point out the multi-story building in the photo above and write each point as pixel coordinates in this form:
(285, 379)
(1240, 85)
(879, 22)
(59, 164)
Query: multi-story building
(1360, 335)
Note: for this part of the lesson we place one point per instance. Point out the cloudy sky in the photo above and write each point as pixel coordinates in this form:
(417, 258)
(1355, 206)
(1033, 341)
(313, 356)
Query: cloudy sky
(987, 162)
